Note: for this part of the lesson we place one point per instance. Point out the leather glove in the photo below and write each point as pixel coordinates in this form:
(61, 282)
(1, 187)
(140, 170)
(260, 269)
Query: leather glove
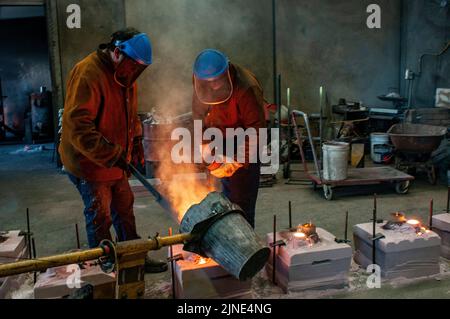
(122, 163)
(137, 155)
(227, 168)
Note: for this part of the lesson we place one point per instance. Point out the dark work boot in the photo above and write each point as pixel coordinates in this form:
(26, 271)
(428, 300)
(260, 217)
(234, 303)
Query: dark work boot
(155, 266)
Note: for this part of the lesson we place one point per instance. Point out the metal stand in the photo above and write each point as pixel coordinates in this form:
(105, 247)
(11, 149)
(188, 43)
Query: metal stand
(173, 259)
(375, 237)
(430, 216)
(274, 246)
(345, 240)
(33, 244)
(292, 124)
(290, 215)
(77, 234)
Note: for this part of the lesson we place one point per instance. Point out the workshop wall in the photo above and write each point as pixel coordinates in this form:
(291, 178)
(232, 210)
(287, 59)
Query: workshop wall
(24, 65)
(426, 29)
(322, 42)
(99, 19)
(328, 43)
(180, 29)
(319, 43)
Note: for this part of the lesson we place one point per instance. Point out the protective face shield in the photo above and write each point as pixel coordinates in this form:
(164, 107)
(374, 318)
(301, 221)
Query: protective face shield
(212, 80)
(128, 71)
(137, 57)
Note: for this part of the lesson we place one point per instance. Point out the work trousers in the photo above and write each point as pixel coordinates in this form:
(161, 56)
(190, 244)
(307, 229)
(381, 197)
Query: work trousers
(106, 204)
(242, 189)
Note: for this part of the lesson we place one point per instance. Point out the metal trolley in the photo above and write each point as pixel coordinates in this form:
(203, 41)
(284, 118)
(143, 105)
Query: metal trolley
(356, 176)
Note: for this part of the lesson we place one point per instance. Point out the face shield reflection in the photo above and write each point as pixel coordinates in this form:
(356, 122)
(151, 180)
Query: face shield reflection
(214, 91)
(128, 71)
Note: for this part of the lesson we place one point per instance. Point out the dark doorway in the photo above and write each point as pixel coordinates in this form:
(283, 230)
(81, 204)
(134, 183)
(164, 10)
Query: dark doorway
(26, 114)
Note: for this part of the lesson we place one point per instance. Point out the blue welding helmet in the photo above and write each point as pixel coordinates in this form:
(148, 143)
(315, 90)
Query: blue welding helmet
(138, 48)
(137, 57)
(212, 80)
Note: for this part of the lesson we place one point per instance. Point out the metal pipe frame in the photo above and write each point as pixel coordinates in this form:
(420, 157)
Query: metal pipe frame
(305, 117)
(42, 264)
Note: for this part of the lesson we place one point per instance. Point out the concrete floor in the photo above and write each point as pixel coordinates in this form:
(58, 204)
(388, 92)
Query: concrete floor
(32, 181)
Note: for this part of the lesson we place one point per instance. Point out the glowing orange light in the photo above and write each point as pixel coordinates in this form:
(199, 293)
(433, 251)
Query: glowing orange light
(299, 235)
(202, 261)
(413, 222)
(182, 194)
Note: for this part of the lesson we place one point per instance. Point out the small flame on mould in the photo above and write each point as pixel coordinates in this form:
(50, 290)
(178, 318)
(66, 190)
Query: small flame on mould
(202, 261)
(299, 235)
(413, 222)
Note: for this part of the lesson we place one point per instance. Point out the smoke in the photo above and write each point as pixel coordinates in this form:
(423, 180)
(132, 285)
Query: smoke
(183, 186)
(180, 29)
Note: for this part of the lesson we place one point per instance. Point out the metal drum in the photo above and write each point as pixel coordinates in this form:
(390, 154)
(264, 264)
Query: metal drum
(335, 161)
(230, 240)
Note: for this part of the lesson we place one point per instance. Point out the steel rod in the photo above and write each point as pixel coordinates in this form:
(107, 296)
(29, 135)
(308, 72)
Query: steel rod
(77, 234)
(172, 264)
(316, 163)
(290, 215)
(321, 126)
(346, 226)
(158, 197)
(289, 131)
(274, 253)
(374, 230)
(278, 102)
(34, 256)
(30, 253)
(274, 47)
(448, 200)
(44, 263)
(430, 216)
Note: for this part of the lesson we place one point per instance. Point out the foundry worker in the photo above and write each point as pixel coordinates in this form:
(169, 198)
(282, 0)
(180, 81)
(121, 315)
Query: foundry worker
(101, 134)
(229, 96)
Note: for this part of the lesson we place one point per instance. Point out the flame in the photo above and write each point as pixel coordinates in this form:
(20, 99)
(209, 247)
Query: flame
(399, 216)
(413, 222)
(181, 192)
(299, 235)
(202, 261)
(420, 230)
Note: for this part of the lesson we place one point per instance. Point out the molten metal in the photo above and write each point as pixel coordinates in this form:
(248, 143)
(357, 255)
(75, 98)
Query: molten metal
(299, 235)
(413, 222)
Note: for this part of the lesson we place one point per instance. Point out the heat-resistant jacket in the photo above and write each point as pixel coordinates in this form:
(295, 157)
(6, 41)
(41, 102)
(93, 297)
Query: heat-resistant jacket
(245, 108)
(100, 120)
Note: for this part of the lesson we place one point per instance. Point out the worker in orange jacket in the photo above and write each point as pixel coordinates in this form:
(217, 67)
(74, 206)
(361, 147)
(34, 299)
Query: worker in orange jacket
(101, 134)
(228, 96)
